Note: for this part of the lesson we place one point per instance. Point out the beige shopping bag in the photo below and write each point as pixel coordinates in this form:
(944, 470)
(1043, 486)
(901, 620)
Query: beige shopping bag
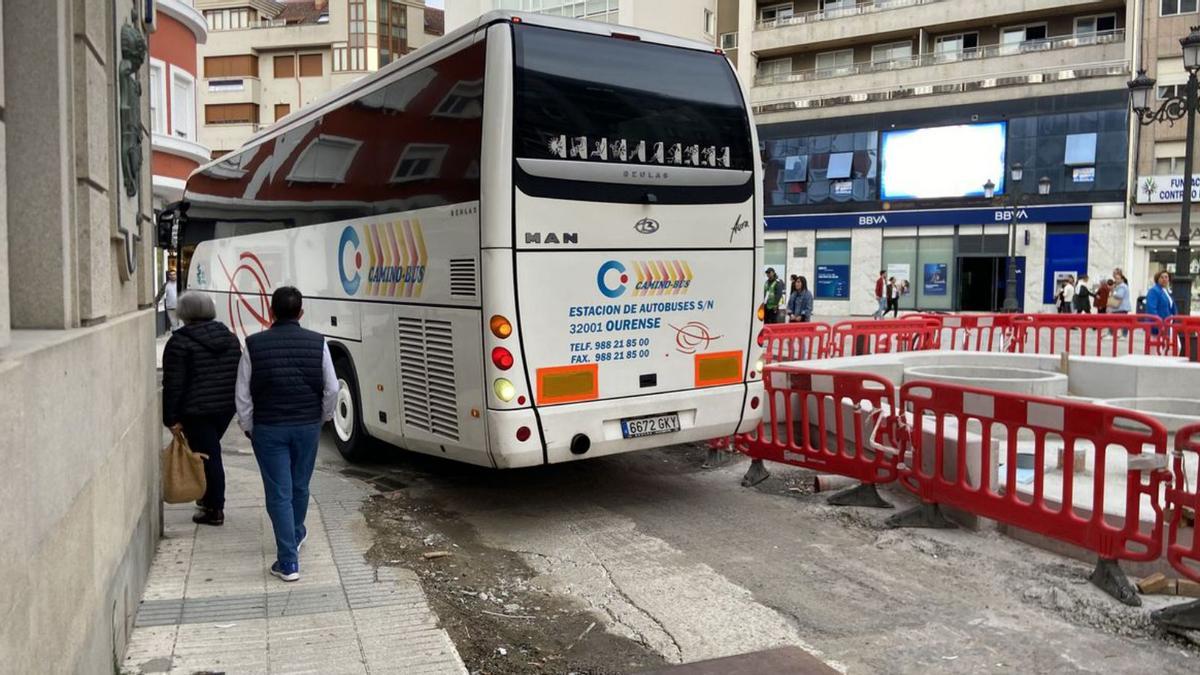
(182, 471)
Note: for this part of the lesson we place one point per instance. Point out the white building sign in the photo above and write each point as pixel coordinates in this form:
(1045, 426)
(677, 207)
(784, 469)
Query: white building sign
(1165, 189)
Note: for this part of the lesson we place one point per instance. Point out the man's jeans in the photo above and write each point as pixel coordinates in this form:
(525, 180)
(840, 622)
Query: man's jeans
(882, 309)
(286, 456)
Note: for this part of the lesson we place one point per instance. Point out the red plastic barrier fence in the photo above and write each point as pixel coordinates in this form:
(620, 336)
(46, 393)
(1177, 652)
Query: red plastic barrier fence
(829, 421)
(795, 341)
(952, 431)
(1087, 334)
(976, 332)
(856, 338)
(1183, 503)
(1183, 337)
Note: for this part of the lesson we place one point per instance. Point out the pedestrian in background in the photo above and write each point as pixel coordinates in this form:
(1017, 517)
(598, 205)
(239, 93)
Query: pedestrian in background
(286, 388)
(772, 297)
(1102, 293)
(1083, 296)
(800, 302)
(1066, 295)
(1119, 300)
(200, 365)
(893, 298)
(880, 295)
(1159, 300)
(168, 294)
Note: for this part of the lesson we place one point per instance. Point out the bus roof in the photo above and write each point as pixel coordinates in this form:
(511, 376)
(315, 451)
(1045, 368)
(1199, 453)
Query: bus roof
(318, 106)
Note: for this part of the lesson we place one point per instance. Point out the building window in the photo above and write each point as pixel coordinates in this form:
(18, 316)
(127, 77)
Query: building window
(158, 97)
(356, 56)
(1172, 7)
(830, 64)
(282, 110)
(1014, 38)
(326, 159)
(776, 12)
(729, 41)
(183, 105)
(393, 31)
(285, 67)
(244, 65)
(231, 113)
(891, 53)
(1100, 23)
(216, 19)
(419, 162)
(1166, 91)
(775, 256)
(1080, 150)
(956, 46)
(710, 23)
(775, 67)
(311, 65)
(835, 6)
(832, 270)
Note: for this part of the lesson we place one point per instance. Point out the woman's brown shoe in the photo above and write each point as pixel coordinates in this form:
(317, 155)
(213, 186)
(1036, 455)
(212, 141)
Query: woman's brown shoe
(209, 517)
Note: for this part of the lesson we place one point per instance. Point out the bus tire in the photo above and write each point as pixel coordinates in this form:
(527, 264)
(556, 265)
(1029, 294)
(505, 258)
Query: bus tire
(348, 433)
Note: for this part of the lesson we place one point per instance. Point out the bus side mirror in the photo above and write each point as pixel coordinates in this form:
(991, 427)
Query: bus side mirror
(168, 224)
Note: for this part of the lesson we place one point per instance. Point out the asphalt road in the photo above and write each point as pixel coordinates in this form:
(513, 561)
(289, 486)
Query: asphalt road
(689, 565)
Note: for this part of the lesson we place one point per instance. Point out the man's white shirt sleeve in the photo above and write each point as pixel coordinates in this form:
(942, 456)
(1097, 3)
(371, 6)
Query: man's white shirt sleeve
(241, 394)
(329, 375)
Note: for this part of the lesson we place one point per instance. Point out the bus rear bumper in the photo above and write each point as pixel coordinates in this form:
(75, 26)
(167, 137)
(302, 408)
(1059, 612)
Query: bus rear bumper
(703, 414)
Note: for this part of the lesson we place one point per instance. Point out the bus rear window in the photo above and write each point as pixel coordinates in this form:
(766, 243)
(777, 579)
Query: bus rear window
(602, 99)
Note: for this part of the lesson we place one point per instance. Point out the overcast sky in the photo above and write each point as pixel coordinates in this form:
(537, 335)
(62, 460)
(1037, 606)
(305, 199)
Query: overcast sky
(440, 4)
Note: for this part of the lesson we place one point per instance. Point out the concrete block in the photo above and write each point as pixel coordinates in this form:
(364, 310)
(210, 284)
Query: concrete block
(1188, 588)
(1155, 583)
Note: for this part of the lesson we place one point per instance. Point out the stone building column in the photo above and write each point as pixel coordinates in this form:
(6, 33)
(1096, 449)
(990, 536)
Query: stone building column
(38, 90)
(4, 269)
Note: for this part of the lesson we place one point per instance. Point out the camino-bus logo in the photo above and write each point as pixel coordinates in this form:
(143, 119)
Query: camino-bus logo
(396, 258)
(653, 277)
(248, 300)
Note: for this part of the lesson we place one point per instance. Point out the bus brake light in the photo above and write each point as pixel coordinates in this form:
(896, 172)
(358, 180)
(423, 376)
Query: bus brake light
(502, 358)
(500, 326)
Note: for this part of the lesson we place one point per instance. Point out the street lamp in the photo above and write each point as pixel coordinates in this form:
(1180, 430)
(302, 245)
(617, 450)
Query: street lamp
(1016, 173)
(1170, 111)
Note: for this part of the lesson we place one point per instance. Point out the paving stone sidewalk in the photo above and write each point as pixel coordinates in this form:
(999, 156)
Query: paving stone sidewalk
(210, 604)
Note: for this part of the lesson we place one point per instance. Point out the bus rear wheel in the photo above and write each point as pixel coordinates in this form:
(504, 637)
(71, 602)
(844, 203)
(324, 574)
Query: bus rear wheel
(348, 433)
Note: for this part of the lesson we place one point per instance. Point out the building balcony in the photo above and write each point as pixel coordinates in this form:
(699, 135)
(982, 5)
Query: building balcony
(868, 20)
(1028, 63)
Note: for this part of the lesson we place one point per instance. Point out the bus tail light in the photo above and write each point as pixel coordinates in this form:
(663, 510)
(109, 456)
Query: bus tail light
(762, 337)
(719, 368)
(523, 434)
(759, 365)
(762, 312)
(502, 358)
(564, 384)
(505, 391)
(500, 326)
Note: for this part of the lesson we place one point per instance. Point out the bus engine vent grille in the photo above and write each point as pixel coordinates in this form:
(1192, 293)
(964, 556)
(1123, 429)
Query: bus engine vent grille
(429, 398)
(462, 277)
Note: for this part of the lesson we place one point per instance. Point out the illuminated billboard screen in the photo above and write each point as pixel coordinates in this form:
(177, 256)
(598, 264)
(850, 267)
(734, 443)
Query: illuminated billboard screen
(953, 161)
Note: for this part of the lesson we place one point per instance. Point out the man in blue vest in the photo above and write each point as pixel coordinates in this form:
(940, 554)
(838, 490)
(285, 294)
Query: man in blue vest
(286, 388)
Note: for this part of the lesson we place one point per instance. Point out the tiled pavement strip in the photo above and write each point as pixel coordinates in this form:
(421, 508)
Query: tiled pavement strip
(211, 605)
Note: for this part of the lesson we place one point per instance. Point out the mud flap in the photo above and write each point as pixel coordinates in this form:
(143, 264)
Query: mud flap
(1184, 617)
(863, 494)
(925, 515)
(756, 474)
(1109, 578)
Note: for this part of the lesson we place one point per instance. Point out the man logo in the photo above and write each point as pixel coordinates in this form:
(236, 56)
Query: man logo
(646, 226)
(349, 238)
(602, 281)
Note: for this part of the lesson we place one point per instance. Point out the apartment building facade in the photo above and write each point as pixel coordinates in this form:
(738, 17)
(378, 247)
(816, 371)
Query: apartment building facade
(1157, 151)
(693, 19)
(174, 131)
(266, 58)
(882, 121)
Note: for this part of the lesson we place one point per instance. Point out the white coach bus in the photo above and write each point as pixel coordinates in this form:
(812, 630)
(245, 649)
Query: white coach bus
(533, 241)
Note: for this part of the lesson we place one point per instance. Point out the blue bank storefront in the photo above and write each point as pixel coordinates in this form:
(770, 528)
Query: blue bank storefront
(944, 259)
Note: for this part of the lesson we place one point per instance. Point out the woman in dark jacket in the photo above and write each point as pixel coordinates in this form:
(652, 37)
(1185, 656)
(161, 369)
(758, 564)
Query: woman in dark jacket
(200, 366)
